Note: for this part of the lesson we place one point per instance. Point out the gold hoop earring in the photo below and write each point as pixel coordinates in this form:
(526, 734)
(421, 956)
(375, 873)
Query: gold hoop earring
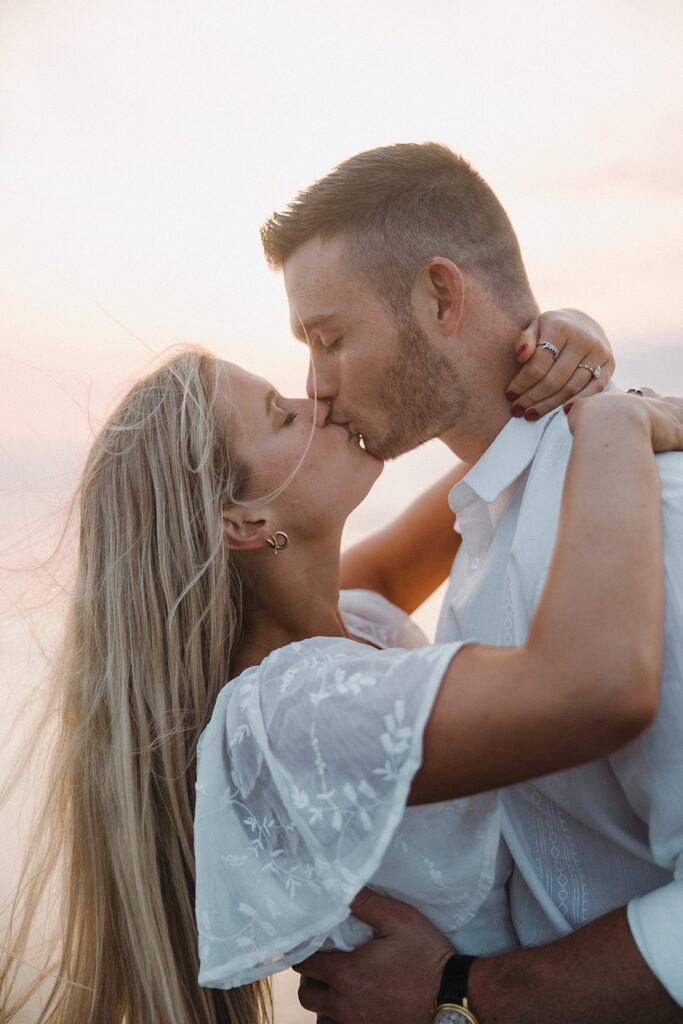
(279, 541)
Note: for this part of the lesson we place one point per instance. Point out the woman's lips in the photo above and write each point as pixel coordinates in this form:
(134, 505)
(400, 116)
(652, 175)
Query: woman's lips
(353, 435)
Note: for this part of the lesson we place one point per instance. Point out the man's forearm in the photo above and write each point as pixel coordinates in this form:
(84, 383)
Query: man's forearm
(594, 976)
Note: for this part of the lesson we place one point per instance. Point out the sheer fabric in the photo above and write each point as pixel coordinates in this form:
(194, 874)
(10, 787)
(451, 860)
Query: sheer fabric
(303, 775)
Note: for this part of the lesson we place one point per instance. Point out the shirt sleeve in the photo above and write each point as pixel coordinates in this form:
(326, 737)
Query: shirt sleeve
(303, 776)
(650, 769)
(655, 922)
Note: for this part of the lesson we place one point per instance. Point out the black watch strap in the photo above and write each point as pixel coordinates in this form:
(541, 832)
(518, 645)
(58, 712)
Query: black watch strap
(454, 979)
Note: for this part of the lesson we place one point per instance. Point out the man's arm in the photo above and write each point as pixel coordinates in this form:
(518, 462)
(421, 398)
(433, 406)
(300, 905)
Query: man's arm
(596, 975)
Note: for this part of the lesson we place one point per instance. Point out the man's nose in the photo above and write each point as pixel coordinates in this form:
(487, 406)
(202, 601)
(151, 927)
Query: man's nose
(319, 384)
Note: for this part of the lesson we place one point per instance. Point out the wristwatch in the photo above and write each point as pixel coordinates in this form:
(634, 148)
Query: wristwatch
(451, 1003)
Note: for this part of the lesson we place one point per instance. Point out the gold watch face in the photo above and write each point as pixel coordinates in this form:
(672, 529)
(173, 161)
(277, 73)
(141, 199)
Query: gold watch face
(450, 1013)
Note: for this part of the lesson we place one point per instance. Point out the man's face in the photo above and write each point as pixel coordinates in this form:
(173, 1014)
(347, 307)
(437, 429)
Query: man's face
(385, 382)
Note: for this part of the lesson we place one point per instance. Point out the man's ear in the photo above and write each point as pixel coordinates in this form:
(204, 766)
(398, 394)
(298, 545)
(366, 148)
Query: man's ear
(441, 293)
(243, 534)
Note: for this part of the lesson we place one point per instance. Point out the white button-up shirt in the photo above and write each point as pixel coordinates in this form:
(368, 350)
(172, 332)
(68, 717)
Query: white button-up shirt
(596, 837)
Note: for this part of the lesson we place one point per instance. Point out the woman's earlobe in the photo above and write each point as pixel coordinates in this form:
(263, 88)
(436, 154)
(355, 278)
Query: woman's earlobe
(244, 534)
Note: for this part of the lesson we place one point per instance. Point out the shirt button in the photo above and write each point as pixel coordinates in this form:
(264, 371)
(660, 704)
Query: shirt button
(474, 564)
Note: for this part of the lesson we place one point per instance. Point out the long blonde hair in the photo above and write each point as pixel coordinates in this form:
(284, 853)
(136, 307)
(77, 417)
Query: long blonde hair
(155, 619)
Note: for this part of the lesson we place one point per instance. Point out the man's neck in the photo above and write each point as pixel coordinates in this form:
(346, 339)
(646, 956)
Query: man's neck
(488, 363)
(470, 444)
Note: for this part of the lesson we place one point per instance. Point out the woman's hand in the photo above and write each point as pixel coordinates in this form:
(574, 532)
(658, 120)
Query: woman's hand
(562, 352)
(661, 417)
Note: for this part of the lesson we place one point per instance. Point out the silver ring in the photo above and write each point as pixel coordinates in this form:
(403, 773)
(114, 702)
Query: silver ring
(594, 371)
(551, 348)
(635, 391)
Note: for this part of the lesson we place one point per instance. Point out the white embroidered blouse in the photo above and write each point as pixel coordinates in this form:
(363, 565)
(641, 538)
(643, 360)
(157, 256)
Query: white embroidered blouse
(302, 779)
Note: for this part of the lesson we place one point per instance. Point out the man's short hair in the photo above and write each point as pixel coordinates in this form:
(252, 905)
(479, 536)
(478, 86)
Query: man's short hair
(400, 206)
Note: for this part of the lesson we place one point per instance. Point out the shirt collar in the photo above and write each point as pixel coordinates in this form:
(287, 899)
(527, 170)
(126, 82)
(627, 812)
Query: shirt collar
(502, 463)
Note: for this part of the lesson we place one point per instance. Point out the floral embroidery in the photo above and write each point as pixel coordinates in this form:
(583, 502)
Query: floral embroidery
(303, 775)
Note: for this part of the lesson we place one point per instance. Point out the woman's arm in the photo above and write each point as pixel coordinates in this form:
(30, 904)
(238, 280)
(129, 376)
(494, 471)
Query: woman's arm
(407, 560)
(587, 679)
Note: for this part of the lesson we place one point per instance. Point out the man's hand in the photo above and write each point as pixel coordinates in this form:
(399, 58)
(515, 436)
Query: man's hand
(393, 979)
(595, 975)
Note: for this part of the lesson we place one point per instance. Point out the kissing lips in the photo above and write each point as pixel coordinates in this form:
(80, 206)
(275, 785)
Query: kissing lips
(352, 434)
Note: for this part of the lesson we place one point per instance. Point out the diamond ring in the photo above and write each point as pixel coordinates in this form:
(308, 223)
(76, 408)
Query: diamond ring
(594, 371)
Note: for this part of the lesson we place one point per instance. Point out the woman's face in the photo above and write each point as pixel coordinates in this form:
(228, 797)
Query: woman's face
(271, 433)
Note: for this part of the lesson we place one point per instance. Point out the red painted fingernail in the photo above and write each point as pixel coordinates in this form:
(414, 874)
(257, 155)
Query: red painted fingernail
(567, 407)
(511, 396)
(531, 415)
(521, 351)
(517, 410)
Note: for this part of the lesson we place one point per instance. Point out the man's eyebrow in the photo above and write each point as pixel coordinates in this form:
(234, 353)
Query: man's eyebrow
(305, 328)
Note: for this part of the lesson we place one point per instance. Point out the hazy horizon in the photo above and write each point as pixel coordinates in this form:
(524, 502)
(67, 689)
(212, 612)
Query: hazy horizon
(143, 143)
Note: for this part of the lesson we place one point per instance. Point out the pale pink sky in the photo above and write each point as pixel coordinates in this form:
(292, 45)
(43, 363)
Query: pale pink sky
(144, 141)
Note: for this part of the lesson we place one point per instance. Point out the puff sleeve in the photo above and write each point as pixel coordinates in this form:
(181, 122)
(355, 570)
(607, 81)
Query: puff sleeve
(303, 776)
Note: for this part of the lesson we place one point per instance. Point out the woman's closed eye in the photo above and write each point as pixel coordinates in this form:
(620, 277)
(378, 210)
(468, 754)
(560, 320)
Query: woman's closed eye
(278, 404)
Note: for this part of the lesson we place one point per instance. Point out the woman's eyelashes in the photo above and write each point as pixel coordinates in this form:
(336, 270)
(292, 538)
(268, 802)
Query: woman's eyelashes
(289, 417)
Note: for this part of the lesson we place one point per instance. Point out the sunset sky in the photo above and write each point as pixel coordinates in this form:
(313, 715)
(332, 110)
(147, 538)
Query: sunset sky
(143, 142)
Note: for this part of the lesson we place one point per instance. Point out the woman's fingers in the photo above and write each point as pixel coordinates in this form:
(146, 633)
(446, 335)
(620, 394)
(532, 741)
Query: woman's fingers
(666, 420)
(552, 348)
(649, 393)
(525, 343)
(544, 367)
(580, 385)
(662, 416)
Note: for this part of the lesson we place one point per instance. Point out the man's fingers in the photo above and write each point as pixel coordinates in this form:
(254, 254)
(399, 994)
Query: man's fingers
(319, 967)
(382, 913)
(359, 987)
(317, 998)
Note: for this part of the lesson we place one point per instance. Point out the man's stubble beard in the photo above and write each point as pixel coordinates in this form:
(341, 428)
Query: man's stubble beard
(421, 394)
